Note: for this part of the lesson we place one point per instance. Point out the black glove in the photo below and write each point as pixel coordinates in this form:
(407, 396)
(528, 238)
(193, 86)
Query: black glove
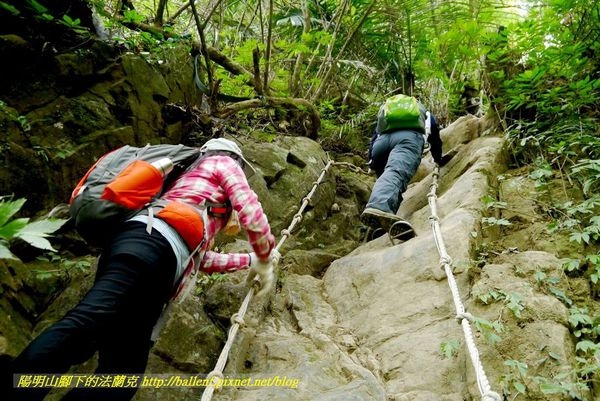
(444, 159)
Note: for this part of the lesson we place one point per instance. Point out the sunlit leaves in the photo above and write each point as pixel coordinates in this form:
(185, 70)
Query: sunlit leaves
(10, 8)
(34, 233)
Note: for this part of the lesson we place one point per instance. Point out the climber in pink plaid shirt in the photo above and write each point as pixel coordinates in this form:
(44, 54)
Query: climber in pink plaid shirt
(219, 179)
(142, 266)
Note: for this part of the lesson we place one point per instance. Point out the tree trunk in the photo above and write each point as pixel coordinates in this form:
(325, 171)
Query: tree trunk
(299, 104)
(160, 12)
(295, 77)
(124, 6)
(258, 86)
(332, 63)
(268, 49)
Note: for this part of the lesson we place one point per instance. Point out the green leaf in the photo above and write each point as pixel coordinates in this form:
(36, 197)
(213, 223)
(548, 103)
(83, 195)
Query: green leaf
(492, 338)
(520, 387)
(37, 6)
(551, 388)
(42, 227)
(488, 201)
(35, 232)
(580, 237)
(11, 9)
(587, 346)
(43, 275)
(571, 264)
(9, 208)
(37, 241)
(5, 253)
(579, 317)
(561, 295)
(554, 356)
(448, 349)
(11, 230)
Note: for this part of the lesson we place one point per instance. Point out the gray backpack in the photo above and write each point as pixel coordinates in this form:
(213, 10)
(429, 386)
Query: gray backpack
(120, 184)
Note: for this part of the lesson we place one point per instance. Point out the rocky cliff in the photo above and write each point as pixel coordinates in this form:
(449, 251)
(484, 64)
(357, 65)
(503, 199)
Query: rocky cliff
(381, 322)
(349, 319)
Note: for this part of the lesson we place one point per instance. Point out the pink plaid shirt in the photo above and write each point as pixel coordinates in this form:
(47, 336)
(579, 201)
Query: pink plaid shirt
(218, 179)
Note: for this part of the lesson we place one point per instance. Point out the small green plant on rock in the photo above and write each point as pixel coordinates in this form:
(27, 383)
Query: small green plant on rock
(449, 349)
(205, 281)
(66, 267)
(516, 378)
(512, 301)
(495, 207)
(34, 233)
(489, 329)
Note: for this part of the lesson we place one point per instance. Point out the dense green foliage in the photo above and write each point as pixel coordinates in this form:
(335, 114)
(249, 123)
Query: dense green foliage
(548, 103)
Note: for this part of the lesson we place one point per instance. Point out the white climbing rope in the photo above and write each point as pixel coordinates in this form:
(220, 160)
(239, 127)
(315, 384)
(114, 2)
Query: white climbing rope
(305, 201)
(465, 318)
(237, 319)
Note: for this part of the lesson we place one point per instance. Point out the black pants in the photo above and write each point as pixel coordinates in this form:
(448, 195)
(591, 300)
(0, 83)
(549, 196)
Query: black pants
(115, 318)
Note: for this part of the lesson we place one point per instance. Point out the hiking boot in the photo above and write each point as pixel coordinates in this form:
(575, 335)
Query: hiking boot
(370, 220)
(376, 218)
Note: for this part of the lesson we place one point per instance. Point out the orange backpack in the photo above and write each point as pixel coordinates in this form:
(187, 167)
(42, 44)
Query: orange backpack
(125, 181)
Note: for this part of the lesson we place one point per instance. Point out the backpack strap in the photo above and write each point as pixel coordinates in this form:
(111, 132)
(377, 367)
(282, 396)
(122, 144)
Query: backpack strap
(150, 220)
(156, 205)
(220, 210)
(427, 125)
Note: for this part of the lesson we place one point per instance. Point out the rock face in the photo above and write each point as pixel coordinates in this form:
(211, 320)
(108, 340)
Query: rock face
(381, 323)
(348, 320)
(371, 329)
(64, 111)
(355, 320)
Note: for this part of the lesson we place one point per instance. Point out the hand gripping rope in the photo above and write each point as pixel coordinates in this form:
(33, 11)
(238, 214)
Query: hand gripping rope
(237, 319)
(463, 317)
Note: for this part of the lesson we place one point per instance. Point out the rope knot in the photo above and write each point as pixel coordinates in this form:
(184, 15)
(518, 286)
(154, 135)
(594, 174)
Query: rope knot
(464, 315)
(236, 318)
(285, 232)
(215, 378)
(255, 286)
(445, 260)
(491, 396)
(433, 217)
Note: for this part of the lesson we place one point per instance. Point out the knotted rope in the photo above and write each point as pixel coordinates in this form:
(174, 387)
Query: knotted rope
(305, 201)
(464, 317)
(237, 319)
